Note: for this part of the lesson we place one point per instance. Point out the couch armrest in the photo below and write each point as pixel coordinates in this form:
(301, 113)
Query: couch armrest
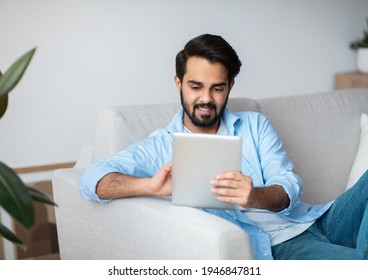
(139, 228)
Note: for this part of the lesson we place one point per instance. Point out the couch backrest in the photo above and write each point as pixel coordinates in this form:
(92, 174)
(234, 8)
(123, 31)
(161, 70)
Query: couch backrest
(320, 132)
(118, 127)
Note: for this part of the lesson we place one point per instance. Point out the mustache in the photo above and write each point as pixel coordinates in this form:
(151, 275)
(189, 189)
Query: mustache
(204, 105)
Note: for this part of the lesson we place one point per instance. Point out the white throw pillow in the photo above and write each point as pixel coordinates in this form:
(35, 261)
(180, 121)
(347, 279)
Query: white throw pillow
(360, 164)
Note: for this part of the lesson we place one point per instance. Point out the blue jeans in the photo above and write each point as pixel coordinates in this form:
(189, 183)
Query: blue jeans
(340, 234)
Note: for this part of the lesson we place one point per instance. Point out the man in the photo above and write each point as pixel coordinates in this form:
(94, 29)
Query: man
(279, 224)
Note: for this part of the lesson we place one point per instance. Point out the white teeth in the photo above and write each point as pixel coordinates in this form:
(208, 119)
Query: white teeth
(204, 109)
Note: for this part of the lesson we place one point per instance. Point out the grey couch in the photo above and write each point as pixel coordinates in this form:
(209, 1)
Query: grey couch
(320, 133)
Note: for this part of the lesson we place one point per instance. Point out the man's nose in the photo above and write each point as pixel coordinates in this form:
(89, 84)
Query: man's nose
(206, 96)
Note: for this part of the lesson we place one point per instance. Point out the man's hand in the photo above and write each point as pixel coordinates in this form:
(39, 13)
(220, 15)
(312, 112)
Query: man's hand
(233, 187)
(161, 183)
(236, 188)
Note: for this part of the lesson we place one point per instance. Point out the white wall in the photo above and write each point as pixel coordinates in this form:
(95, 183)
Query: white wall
(97, 53)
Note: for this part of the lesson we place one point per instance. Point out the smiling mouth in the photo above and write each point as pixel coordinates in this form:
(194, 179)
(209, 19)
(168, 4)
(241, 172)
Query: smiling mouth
(204, 107)
(205, 111)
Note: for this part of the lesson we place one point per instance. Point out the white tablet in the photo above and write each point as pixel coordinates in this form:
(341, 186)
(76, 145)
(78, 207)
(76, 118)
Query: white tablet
(197, 159)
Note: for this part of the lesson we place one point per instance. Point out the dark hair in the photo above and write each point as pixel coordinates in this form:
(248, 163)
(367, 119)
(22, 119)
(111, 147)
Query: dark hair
(213, 48)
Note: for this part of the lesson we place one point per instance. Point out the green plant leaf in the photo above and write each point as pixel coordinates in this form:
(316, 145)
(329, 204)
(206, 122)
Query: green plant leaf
(12, 76)
(9, 235)
(3, 104)
(15, 198)
(40, 197)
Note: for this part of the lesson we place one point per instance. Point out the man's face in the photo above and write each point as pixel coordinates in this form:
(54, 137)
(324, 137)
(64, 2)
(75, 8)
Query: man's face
(204, 92)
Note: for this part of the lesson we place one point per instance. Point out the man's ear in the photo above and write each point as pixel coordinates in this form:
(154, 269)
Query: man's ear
(177, 83)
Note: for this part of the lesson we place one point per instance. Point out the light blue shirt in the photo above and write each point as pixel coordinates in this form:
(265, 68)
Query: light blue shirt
(263, 159)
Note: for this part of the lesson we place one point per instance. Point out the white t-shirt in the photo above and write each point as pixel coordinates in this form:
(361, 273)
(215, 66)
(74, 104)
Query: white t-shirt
(278, 229)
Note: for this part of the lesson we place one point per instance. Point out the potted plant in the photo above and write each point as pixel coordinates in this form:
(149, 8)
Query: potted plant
(15, 197)
(361, 45)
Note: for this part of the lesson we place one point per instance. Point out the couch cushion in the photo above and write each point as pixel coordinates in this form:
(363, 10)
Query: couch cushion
(360, 164)
(320, 133)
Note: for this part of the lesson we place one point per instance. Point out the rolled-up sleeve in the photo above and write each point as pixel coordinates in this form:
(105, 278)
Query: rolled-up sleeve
(142, 159)
(276, 167)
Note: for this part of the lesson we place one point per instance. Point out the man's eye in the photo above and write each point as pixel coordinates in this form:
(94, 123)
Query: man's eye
(194, 87)
(219, 89)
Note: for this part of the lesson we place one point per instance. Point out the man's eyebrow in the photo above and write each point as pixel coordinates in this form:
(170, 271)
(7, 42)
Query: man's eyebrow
(223, 84)
(213, 85)
(194, 82)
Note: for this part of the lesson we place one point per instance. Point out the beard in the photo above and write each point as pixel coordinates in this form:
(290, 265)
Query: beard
(206, 121)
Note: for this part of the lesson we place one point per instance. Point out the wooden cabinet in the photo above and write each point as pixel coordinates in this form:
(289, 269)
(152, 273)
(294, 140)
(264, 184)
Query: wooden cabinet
(351, 80)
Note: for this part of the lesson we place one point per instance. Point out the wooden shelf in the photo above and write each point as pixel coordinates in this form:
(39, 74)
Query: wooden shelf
(351, 80)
